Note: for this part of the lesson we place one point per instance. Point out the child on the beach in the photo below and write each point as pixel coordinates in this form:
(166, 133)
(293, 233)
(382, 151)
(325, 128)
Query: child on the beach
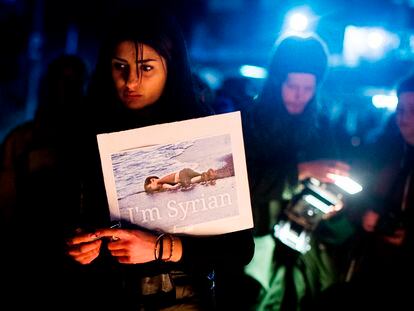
(183, 178)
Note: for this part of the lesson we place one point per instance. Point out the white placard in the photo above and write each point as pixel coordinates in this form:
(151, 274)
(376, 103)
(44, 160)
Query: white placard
(217, 204)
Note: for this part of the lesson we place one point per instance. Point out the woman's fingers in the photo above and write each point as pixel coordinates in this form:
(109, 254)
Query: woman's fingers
(86, 258)
(82, 238)
(84, 253)
(81, 248)
(114, 234)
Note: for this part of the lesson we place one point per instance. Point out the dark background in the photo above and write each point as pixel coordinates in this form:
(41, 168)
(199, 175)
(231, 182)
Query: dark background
(222, 35)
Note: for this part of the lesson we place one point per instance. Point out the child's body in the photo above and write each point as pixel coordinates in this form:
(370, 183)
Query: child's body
(183, 178)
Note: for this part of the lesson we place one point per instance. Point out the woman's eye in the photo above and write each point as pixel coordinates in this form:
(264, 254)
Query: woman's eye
(120, 66)
(146, 67)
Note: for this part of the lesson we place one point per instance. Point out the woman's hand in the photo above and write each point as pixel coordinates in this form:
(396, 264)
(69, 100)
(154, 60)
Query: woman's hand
(397, 238)
(84, 247)
(369, 223)
(129, 246)
(320, 169)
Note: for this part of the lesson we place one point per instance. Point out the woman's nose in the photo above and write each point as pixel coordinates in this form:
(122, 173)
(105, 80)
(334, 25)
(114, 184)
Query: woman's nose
(299, 94)
(132, 79)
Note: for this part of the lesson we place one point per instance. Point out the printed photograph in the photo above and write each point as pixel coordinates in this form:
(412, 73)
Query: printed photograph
(172, 186)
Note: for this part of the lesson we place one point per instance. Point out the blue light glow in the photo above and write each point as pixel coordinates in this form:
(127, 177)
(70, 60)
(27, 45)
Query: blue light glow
(298, 22)
(371, 43)
(253, 72)
(385, 101)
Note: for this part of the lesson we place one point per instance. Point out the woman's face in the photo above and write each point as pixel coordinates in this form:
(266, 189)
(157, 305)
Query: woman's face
(405, 116)
(297, 90)
(139, 77)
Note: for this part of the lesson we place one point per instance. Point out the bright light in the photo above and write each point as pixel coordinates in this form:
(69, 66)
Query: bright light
(211, 76)
(298, 241)
(371, 43)
(298, 22)
(345, 183)
(253, 72)
(317, 203)
(385, 101)
(382, 97)
(376, 39)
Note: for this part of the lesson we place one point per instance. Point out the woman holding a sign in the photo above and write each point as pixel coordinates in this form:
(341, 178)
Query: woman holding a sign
(143, 78)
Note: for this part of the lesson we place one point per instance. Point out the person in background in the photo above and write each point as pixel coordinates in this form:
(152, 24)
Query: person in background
(35, 166)
(383, 262)
(288, 140)
(235, 94)
(143, 78)
(33, 146)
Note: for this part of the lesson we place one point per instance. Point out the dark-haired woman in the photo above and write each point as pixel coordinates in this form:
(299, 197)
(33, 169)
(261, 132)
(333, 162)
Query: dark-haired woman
(143, 78)
(288, 140)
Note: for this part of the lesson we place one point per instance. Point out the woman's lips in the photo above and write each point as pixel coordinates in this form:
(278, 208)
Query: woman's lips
(132, 95)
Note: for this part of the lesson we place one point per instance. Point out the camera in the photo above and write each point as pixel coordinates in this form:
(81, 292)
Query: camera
(313, 202)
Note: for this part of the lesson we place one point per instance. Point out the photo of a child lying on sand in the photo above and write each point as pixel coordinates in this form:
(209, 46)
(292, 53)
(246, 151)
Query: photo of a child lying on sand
(187, 177)
(179, 181)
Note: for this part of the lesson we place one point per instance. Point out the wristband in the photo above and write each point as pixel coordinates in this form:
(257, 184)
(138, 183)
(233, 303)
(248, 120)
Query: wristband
(171, 247)
(160, 241)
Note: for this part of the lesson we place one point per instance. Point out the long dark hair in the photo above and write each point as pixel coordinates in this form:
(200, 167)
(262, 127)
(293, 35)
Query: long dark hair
(270, 116)
(159, 30)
